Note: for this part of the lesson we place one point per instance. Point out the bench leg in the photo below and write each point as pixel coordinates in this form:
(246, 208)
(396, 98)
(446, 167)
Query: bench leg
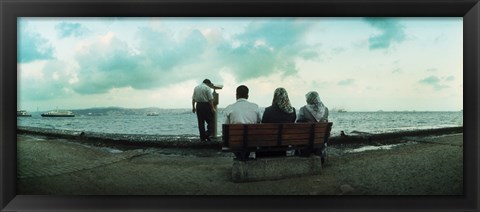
(322, 152)
(306, 152)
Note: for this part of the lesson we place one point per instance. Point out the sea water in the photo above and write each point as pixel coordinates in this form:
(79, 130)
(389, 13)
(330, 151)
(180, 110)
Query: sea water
(184, 122)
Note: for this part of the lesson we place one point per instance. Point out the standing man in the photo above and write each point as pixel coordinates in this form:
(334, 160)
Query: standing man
(242, 112)
(203, 98)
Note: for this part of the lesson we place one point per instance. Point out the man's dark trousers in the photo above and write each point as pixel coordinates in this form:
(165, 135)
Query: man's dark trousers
(204, 114)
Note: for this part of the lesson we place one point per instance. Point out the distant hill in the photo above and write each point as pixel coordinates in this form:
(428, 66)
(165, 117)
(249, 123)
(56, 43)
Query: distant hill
(109, 111)
(102, 111)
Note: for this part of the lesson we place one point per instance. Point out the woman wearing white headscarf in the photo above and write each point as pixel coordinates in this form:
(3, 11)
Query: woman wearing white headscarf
(281, 110)
(314, 111)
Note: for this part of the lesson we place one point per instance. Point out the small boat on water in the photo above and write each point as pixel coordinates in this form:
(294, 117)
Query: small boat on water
(58, 113)
(152, 114)
(23, 113)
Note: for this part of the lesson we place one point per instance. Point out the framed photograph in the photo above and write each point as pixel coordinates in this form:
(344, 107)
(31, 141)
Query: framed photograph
(106, 119)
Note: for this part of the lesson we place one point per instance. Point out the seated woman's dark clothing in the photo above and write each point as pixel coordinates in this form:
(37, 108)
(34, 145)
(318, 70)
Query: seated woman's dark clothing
(274, 114)
(279, 112)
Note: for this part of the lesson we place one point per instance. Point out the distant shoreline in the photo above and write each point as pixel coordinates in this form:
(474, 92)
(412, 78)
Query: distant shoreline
(192, 141)
(143, 110)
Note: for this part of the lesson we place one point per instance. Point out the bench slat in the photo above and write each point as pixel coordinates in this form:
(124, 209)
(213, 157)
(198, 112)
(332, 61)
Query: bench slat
(271, 141)
(289, 125)
(266, 143)
(275, 126)
(299, 137)
(318, 130)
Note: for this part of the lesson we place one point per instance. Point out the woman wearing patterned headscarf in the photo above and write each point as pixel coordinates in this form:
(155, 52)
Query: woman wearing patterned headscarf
(314, 111)
(281, 110)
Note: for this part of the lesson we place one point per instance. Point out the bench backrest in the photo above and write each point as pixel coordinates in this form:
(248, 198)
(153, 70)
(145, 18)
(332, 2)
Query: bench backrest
(238, 136)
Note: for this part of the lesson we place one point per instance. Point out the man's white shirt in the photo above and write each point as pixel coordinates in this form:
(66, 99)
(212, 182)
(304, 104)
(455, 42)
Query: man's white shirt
(242, 112)
(202, 93)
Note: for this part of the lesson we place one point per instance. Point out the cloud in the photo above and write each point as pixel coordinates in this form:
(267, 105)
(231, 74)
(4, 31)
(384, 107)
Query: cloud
(65, 29)
(430, 80)
(275, 33)
(391, 31)
(397, 71)
(165, 52)
(32, 46)
(450, 78)
(346, 82)
(110, 63)
(160, 58)
(53, 83)
(338, 50)
(105, 64)
(435, 82)
(309, 54)
(266, 47)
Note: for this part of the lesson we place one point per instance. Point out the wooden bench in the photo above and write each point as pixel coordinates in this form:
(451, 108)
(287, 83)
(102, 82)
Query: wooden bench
(244, 138)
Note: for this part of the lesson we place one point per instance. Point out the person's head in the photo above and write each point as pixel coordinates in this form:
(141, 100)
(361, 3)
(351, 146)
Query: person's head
(312, 98)
(207, 82)
(280, 98)
(242, 92)
(280, 95)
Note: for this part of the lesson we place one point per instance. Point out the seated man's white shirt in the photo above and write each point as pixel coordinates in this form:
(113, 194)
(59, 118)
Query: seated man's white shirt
(242, 112)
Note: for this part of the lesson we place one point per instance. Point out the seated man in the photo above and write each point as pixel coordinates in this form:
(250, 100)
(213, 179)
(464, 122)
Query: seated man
(242, 112)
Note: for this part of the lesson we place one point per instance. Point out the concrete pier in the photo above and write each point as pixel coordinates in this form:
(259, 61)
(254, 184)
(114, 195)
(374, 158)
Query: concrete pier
(275, 168)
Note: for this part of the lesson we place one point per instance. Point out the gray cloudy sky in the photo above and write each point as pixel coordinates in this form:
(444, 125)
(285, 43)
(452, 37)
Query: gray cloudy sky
(359, 64)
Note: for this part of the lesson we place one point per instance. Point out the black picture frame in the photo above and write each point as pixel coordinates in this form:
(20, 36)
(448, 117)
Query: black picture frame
(11, 9)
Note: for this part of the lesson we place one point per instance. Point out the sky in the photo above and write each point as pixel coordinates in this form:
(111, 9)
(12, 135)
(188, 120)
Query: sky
(355, 64)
